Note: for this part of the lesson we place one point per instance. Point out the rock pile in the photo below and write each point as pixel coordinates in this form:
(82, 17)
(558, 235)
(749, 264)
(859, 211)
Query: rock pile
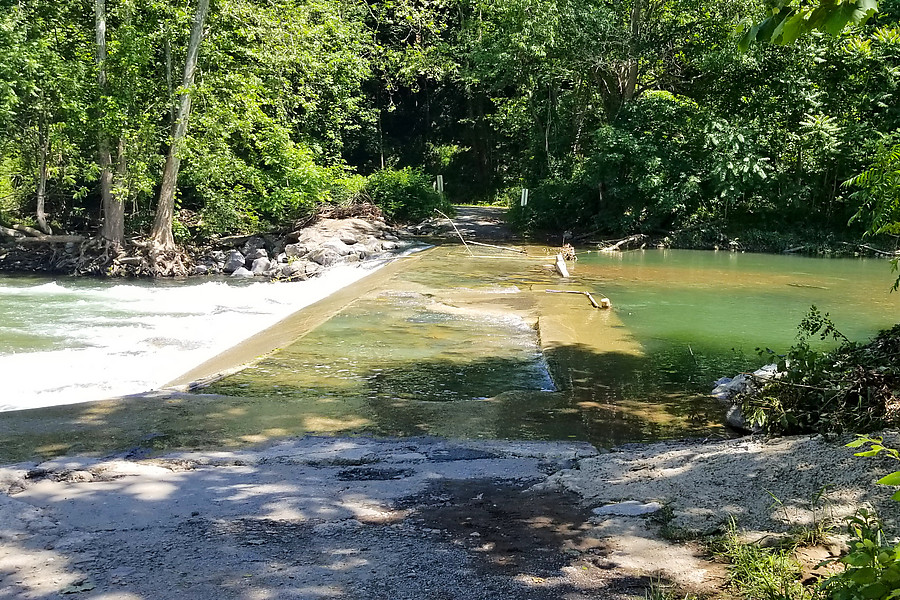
(303, 253)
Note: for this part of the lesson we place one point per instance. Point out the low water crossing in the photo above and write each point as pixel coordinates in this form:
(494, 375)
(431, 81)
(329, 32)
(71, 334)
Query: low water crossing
(444, 343)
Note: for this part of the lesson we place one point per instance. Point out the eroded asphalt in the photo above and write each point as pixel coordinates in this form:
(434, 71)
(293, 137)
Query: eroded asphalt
(310, 518)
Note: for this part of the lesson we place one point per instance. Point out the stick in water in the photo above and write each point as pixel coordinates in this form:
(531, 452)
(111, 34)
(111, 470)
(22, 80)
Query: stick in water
(604, 302)
(456, 230)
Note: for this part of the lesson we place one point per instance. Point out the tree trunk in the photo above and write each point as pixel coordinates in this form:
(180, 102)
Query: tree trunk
(165, 208)
(631, 75)
(43, 157)
(113, 228)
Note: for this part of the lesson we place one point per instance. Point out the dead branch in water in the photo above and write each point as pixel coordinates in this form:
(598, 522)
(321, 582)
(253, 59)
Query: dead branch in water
(604, 302)
(469, 250)
(507, 248)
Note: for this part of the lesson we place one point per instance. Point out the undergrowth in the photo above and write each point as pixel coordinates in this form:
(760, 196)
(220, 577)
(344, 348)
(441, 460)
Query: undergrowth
(855, 387)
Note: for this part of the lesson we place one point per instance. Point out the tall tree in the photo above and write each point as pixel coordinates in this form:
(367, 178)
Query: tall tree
(161, 233)
(113, 212)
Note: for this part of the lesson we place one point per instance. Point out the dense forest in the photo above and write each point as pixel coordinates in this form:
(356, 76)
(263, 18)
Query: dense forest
(189, 120)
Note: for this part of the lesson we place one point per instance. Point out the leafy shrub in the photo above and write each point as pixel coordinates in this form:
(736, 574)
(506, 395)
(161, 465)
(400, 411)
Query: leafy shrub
(404, 194)
(872, 567)
(855, 386)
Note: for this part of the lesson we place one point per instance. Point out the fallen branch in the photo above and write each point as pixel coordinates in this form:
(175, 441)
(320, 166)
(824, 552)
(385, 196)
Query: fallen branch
(507, 248)
(604, 302)
(12, 233)
(875, 250)
(630, 240)
(29, 231)
(469, 250)
(51, 239)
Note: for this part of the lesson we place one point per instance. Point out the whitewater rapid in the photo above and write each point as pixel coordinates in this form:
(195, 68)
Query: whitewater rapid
(65, 341)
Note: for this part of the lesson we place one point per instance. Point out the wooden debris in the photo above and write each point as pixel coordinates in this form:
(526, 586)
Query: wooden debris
(456, 230)
(11, 233)
(507, 248)
(568, 252)
(604, 302)
(561, 265)
(631, 242)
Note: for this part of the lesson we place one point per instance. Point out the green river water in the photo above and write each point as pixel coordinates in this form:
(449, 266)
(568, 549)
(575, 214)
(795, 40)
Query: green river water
(452, 345)
(467, 346)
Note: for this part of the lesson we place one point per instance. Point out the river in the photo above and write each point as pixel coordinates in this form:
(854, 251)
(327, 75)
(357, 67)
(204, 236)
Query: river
(445, 344)
(69, 340)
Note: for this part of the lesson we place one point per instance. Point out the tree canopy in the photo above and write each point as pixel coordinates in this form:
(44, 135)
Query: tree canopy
(652, 116)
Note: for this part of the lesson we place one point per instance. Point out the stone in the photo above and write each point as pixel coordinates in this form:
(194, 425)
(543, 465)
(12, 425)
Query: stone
(296, 250)
(338, 246)
(324, 256)
(201, 270)
(391, 238)
(293, 270)
(348, 238)
(629, 508)
(242, 273)
(258, 253)
(281, 258)
(352, 258)
(312, 269)
(234, 261)
(256, 242)
(218, 256)
(260, 266)
(389, 245)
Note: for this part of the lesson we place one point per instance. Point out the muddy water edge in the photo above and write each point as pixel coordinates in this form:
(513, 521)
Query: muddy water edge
(446, 343)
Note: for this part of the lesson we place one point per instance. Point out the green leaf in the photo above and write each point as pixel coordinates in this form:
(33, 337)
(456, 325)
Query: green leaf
(891, 479)
(864, 575)
(857, 443)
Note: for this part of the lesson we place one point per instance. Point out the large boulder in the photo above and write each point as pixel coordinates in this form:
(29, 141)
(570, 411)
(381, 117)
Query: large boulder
(260, 266)
(242, 273)
(254, 254)
(293, 270)
(234, 261)
(338, 246)
(348, 238)
(257, 242)
(324, 256)
(296, 250)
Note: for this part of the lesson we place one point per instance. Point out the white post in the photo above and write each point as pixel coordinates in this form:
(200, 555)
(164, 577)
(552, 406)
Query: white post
(524, 196)
(440, 184)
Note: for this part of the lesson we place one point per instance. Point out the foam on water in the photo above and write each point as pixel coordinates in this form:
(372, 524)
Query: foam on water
(75, 340)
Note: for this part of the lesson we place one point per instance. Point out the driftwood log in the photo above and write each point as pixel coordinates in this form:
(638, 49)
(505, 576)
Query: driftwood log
(630, 243)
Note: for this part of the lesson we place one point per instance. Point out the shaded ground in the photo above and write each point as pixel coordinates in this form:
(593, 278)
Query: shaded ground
(312, 518)
(475, 223)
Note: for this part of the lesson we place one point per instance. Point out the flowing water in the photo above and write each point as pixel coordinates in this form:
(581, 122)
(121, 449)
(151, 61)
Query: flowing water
(450, 344)
(72, 340)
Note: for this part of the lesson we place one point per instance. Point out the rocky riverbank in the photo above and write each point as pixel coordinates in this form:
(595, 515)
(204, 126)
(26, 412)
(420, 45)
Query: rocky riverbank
(302, 253)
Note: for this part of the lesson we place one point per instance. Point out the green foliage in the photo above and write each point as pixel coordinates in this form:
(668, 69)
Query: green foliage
(879, 191)
(854, 386)
(760, 573)
(404, 194)
(786, 20)
(872, 566)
